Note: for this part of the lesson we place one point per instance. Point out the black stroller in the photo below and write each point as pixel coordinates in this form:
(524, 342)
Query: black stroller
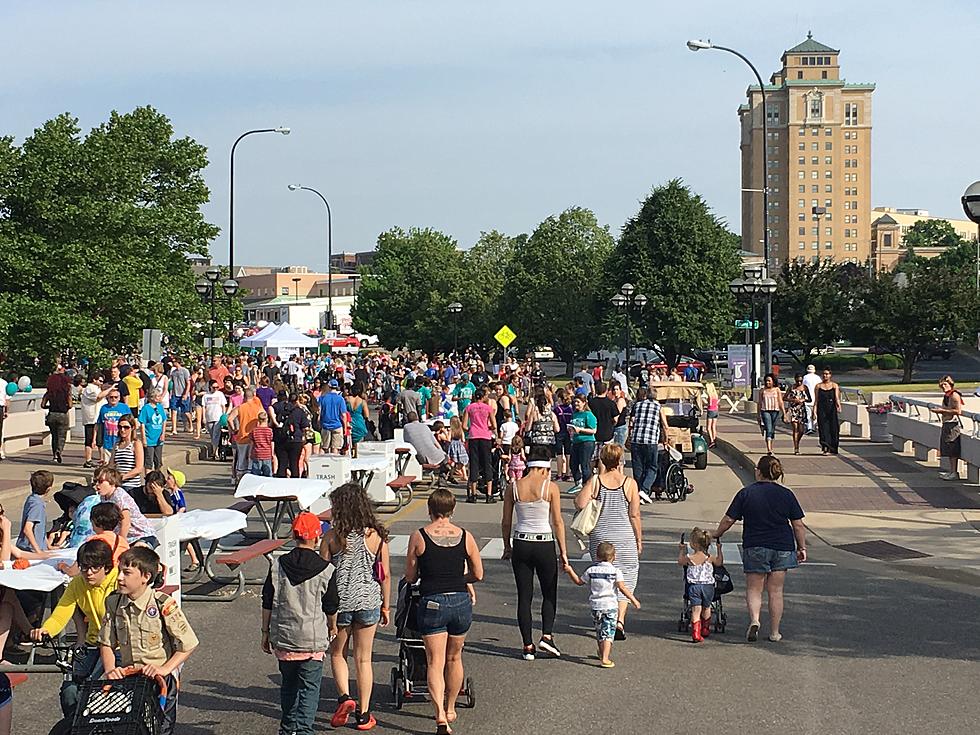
(408, 678)
(723, 585)
(69, 498)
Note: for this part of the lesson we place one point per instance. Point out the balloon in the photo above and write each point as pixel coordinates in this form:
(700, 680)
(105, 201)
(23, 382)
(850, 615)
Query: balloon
(223, 421)
(28, 389)
(11, 388)
(24, 383)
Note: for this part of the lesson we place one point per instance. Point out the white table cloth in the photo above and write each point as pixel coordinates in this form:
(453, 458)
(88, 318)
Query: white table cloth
(304, 492)
(210, 524)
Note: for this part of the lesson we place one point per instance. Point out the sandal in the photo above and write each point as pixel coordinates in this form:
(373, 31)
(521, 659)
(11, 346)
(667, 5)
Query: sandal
(442, 728)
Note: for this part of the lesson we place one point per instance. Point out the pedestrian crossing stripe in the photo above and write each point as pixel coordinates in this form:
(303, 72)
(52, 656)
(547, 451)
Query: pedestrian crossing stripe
(494, 549)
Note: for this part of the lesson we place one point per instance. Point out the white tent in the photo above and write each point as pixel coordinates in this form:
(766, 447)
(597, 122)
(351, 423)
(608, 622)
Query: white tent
(285, 337)
(261, 334)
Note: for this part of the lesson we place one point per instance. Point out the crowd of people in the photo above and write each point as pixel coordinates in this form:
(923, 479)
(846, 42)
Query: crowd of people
(503, 431)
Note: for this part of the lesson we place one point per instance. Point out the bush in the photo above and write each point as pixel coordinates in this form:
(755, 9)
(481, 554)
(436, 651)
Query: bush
(886, 362)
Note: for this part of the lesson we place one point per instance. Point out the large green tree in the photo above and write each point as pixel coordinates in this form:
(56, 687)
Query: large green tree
(553, 287)
(931, 233)
(812, 306)
(95, 232)
(414, 276)
(486, 266)
(909, 311)
(682, 257)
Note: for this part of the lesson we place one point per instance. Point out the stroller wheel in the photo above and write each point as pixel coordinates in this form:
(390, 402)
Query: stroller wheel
(469, 693)
(681, 625)
(396, 688)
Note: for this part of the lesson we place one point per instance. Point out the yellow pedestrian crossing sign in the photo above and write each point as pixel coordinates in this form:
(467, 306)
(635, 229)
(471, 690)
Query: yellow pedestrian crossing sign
(505, 336)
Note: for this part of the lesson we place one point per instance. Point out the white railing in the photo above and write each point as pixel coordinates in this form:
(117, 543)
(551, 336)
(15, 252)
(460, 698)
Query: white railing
(853, 395)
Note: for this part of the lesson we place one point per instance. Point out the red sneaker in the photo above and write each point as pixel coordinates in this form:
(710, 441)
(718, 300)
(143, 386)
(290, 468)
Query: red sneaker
(366, 723)
(696, 631)
(706, 628)
(343, 712)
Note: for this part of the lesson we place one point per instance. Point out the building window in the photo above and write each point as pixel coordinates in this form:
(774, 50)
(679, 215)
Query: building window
(802, 132)
(828, 231)
(801, 231)
(805, 60)
(815, 131)
(772, 114)
(828, 131)
(815, 245)
(854, 205)
(801, 174)
(801, 160)
(814, 107)
(814, 160)
(828, 161)
(801, 217)
(828, 174)
(815, 189)
(815, 231)
(851, 114)
(827, 203)
(847, 205)
(828, 146)
(799, 75)
(823, 74)
(828, 188)
(828, 246)
(284, 291)
(801, 245)
(886, 239)
(847, 163)
(802, 189)
(814, 202)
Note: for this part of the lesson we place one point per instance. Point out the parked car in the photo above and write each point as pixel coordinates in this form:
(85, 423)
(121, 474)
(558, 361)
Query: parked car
(367, 340)
(347, 344)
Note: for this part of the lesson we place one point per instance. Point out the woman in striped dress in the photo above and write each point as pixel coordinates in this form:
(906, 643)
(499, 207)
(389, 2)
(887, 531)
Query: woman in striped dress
(619, 521)
(127, 456)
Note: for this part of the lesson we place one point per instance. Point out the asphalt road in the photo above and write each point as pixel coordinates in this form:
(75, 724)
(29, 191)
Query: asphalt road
(865, 650)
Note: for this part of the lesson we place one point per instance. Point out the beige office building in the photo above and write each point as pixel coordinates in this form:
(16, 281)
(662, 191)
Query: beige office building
(819, 149)
(888, 228)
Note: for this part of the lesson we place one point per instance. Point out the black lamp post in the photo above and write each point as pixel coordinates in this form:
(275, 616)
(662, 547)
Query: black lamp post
(207, 289)
(626, 301)
(296, 280)
(756, 286)
(231, 205)
(971, 205)
(454, 308)
(298, 187)
(698, 46)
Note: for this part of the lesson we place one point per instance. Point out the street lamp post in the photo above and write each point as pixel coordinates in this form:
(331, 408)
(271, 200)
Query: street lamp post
(698, 46)
(207, 289)
(756, 286)
(231, 204)
(298, 187)
(626, 300)
(454, 308)
(971, 205)
(296, 280)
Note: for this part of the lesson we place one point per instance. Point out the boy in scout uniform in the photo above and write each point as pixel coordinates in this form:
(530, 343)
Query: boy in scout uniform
(147, 627)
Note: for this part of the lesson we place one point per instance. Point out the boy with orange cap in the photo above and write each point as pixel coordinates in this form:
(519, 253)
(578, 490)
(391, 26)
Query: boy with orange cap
(296, 600)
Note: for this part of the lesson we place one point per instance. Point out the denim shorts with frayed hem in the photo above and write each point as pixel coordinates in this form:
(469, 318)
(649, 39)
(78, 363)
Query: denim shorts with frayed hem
(760, 560)
(365, 618)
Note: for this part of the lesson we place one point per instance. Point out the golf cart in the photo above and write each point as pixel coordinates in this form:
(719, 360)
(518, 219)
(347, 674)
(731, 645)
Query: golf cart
(682, 404)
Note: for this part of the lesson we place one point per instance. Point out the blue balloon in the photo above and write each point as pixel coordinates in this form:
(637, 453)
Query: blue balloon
(11, 388)
(223, 421)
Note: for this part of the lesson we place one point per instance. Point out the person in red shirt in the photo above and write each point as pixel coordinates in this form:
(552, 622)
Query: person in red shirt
(263, 449)
(57, 399)
(218, 371)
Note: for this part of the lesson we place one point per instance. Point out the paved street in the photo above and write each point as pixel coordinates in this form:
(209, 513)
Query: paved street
(865, 648)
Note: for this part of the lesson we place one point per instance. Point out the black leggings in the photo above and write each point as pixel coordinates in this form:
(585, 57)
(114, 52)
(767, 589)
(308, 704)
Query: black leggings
(529, 558)
(481, 466)
(287, 456)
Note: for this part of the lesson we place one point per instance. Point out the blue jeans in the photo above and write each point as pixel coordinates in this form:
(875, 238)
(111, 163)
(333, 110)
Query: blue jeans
(619, 435)
(299, 695)
(86, 665)
(262, 467)
(582, 461)
(769, 421)
(644, 458)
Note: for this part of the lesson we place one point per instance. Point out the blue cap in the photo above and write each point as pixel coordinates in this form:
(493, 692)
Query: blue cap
(333, 384)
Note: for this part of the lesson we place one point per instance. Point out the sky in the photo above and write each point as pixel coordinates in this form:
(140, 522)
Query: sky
(467, 117)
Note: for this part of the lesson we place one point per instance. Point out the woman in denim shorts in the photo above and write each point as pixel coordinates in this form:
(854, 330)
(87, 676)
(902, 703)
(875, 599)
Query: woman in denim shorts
(357, 544)
(445, 561)
(773, 540)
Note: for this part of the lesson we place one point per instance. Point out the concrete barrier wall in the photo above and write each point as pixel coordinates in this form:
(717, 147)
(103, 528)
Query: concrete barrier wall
(915, 429)
(25, 419)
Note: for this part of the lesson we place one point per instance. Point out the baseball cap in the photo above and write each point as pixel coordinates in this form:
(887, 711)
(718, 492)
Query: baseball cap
(333, 383)
(179, 477)
(307, 526)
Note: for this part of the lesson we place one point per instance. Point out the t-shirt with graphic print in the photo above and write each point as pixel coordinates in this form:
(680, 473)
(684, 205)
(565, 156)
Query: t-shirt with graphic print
(602, 578)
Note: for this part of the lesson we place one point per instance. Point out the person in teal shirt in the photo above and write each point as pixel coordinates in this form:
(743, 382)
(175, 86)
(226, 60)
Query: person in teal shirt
(425, 395)
(463, 393)
(582, 426)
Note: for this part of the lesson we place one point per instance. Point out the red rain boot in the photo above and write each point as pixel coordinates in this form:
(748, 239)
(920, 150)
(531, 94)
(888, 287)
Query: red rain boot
(706, 628)
(696, 631)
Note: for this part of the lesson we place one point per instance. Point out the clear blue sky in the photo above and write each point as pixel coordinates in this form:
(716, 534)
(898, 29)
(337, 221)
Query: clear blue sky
(467, 116)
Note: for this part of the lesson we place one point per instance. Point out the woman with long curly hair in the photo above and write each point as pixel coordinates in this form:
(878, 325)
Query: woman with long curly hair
(357, 545)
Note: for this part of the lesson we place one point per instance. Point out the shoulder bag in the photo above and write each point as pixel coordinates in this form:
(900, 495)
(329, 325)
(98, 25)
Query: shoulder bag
(585, 520)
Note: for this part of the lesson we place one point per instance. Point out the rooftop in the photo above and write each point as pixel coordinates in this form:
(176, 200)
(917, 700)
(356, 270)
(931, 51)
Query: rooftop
(809, 46)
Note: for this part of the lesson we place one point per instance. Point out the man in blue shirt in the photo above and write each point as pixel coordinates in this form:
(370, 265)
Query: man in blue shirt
(108, 421)
(153, 419)
(333, 418)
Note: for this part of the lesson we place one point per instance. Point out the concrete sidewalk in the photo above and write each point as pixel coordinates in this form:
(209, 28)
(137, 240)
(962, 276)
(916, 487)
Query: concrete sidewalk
(15, 470)
(872, 501)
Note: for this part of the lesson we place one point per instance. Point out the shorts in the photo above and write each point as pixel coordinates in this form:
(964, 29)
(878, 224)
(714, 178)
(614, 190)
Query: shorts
(332, 438)
(448, 612)
(262, 467)
(363, 618)
(712, 413)
(605, 624)
(563, 444)
(701, 595)
(180, 405)
(760, 560)
(90, 435)
(243, 457)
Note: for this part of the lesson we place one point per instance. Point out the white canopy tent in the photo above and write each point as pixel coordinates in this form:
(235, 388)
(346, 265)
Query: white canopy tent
(286, 337)
(261, 334)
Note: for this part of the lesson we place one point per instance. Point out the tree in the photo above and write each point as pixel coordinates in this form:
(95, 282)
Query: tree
(931, 233)
(910, 311)
(414, 276)
(95, 236)
(682, 257)
(812, 306)
(553, 285)
(486, 266)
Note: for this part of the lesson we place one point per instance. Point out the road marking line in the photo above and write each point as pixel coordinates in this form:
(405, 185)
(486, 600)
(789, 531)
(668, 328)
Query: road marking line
(494, 549)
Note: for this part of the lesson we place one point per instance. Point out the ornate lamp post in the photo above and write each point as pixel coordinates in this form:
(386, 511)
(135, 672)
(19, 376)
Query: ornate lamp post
(628, 300)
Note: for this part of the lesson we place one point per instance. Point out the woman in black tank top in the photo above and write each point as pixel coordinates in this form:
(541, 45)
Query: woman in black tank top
(445, 561)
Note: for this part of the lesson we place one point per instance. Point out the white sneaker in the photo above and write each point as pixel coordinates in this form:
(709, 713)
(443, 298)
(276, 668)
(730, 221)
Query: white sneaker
(949, 476)
(645, 497)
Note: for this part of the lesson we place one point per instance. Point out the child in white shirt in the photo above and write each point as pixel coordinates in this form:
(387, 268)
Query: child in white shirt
(604, 580)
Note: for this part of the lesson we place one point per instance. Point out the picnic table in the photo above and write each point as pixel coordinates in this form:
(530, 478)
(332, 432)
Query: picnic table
(42, 575)
(289, 495)
(362, 468)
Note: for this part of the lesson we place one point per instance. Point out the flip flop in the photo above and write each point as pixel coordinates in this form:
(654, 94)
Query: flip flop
(607, 664)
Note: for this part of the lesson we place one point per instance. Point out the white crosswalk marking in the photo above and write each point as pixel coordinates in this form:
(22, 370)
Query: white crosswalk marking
(493, 548)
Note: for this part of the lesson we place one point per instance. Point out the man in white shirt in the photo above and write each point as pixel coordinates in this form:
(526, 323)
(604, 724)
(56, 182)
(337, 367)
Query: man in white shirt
(810, 380)
(620, 377)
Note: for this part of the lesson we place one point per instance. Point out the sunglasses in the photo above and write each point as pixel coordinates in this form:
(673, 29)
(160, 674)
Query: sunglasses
(127, 427)
(114, 395)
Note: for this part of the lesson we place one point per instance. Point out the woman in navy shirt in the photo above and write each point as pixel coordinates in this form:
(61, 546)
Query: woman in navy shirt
(773, 540)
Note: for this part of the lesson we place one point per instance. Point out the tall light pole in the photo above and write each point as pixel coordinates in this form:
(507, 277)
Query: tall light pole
(454, 308)
(626, 300)
(698, 46)
(971, 205)
(298, 187)
(207, 289)
(231, 205)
